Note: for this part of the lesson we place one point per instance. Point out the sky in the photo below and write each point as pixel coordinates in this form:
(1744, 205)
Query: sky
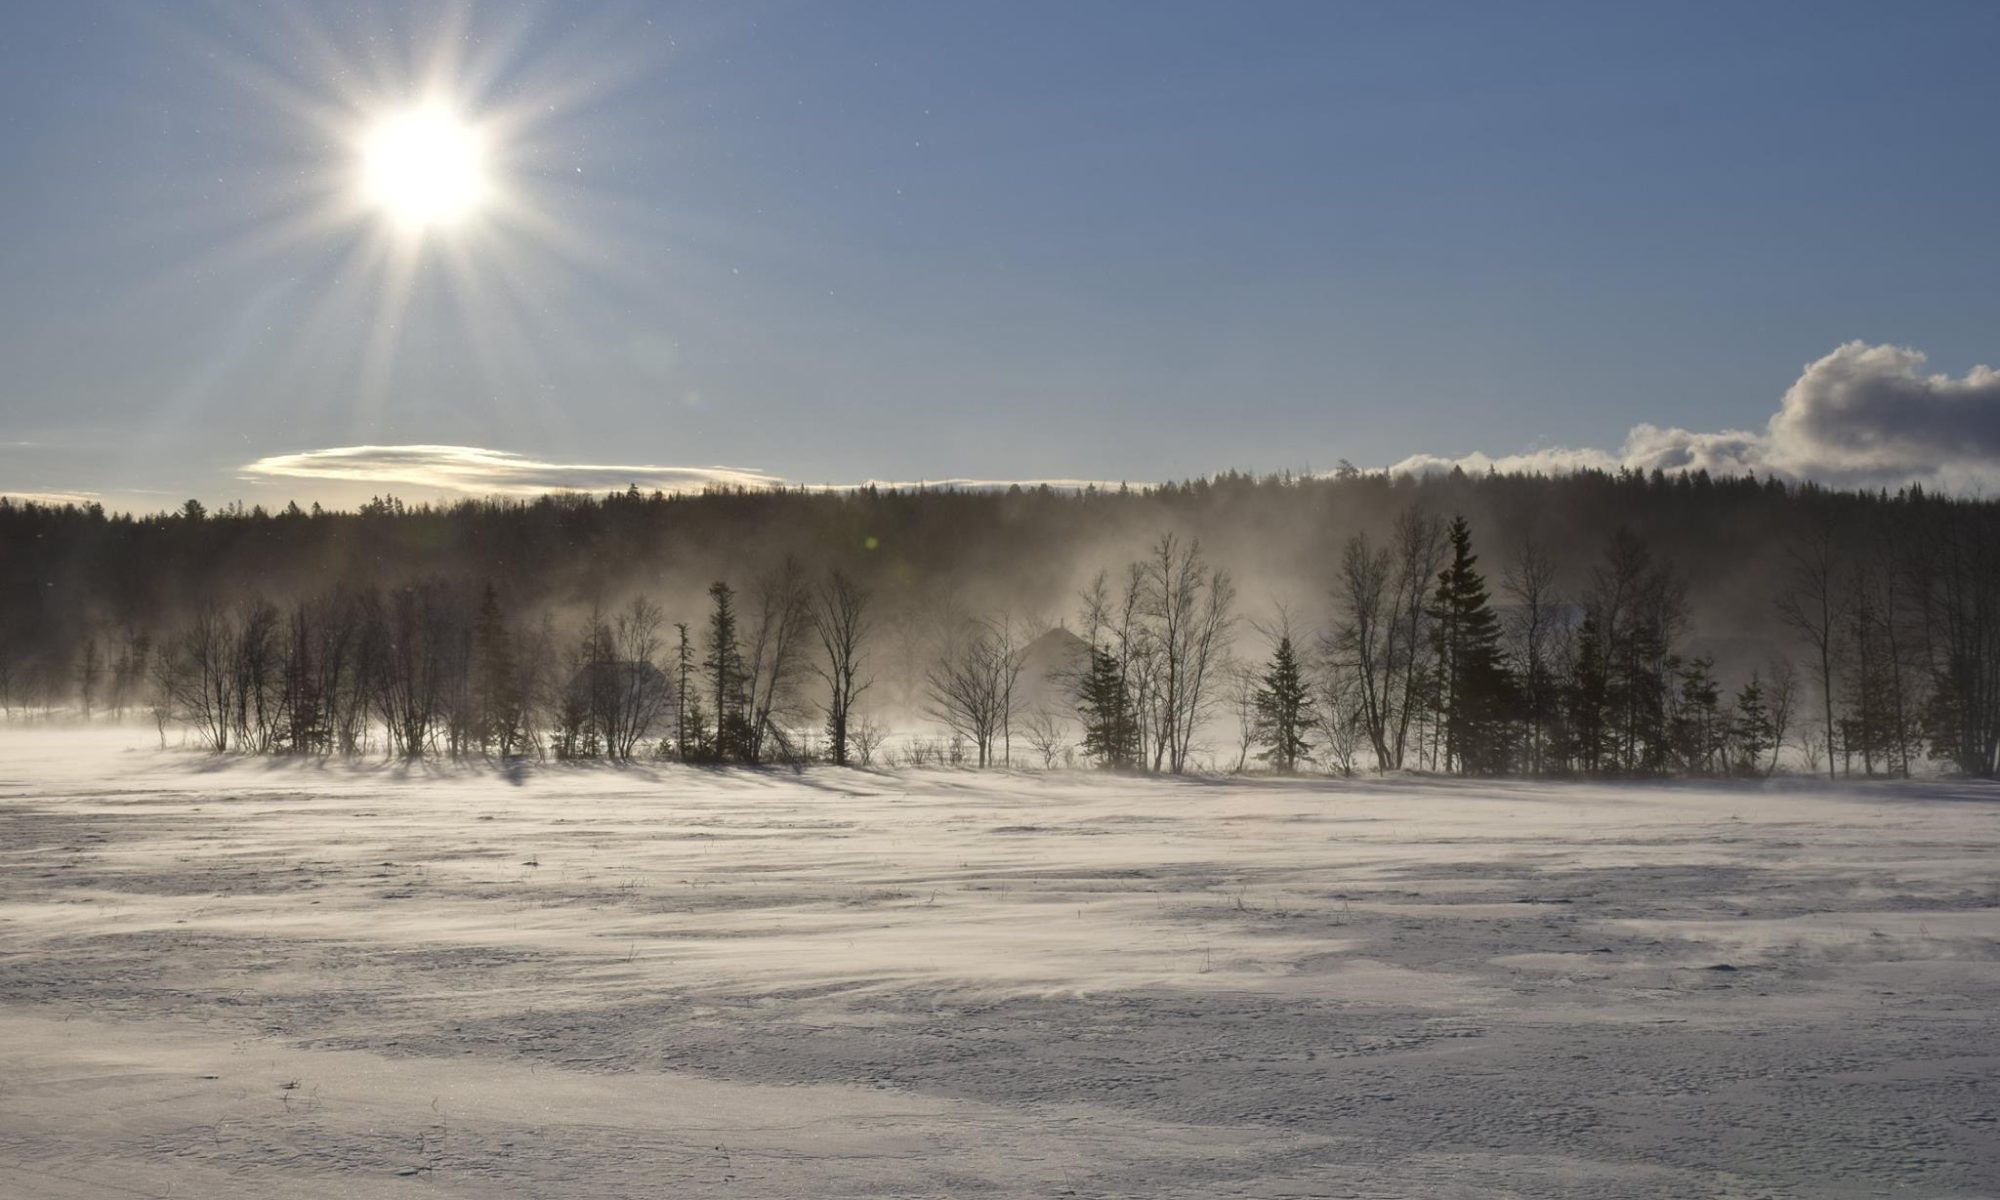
(911, 242)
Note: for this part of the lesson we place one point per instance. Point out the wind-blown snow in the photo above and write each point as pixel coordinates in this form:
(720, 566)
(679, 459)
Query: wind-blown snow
(230, 978)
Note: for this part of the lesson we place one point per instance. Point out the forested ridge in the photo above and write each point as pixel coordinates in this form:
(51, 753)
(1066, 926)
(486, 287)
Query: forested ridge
(1605, 624)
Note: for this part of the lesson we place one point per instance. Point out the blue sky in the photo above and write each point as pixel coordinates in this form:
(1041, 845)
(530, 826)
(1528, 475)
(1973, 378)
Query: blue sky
(829, 243)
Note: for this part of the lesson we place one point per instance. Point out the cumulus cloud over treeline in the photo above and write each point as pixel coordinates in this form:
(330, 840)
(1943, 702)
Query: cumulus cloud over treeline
(1861, 416)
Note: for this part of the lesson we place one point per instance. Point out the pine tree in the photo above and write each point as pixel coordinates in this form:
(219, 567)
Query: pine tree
(1285, 711)
(498, 699)
(1638, 604)
(1473, 689)
(697, 745)
(1641, 684)
(1110, 725)
(687, 705)
(90, 665)
(1697, 721)
(1752, 728)
(726, 678)
(1589, 701)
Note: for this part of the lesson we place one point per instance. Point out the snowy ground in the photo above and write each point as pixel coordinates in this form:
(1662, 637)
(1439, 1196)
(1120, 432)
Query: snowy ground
(261, 980)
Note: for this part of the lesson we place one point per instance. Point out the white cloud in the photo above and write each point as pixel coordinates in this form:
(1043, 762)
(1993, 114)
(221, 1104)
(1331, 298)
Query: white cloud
(53, 499)
(1555, 460)
(984, 485)
(1871, 412)
(1861, 416)
(472, 471)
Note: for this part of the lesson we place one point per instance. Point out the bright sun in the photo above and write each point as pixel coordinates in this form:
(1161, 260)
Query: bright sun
(424, 167)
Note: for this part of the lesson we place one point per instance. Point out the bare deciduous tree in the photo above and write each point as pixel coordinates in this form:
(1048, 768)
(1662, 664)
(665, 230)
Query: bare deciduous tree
(1116, 622)
(1361, 642)
(164, 673)
(1342, 724)
(1243, 706)
(1048, 735)
(841, 617)
(1530, 583)
(632, 695)
(1781, 690)
(774, 656)
(1420, 552)
(204, 677)
(971, 684)
(1382, 596)
(867, 737)
(1190, 608)
(1810, 605)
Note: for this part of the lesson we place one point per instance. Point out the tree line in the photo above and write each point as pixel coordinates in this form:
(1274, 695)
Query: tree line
(1844, 632)
(436, 668)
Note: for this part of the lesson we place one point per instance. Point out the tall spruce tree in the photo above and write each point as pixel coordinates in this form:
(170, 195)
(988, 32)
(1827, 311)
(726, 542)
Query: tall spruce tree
(1698, 723)
(687, 705)
(1473, 688)
(1285, 710)
(499, 699)
(1588, 698)
(1752, 729)
(1110, 722)
(726, 676)
(1639, 605)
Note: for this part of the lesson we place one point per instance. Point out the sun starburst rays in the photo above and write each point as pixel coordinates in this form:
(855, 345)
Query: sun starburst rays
(416, 187)
(425, 168)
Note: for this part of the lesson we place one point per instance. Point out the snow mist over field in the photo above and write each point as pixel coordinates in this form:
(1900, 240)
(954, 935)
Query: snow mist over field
(243, 978)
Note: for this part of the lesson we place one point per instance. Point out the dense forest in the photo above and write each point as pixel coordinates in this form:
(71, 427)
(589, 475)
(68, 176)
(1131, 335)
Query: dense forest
(1588, 624)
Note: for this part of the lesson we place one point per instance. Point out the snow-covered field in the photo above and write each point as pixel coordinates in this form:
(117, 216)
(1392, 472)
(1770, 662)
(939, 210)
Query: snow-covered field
(244, 979)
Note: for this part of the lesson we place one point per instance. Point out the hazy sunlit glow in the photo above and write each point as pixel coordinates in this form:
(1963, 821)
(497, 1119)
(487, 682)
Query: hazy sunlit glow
(425, 167)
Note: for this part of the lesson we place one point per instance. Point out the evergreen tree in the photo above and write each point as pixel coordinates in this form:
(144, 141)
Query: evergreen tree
(687, 705)
(1638, 604)
(1473, 690)
(1876, 719)
(1589, 701)
(303, 707)
(726, 677)
(1697, 725)
(89, 667)
(1285, 711)
(697, 745)
(1641, 682)
(498, 697)
(1110, 723)
(1752, 729)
